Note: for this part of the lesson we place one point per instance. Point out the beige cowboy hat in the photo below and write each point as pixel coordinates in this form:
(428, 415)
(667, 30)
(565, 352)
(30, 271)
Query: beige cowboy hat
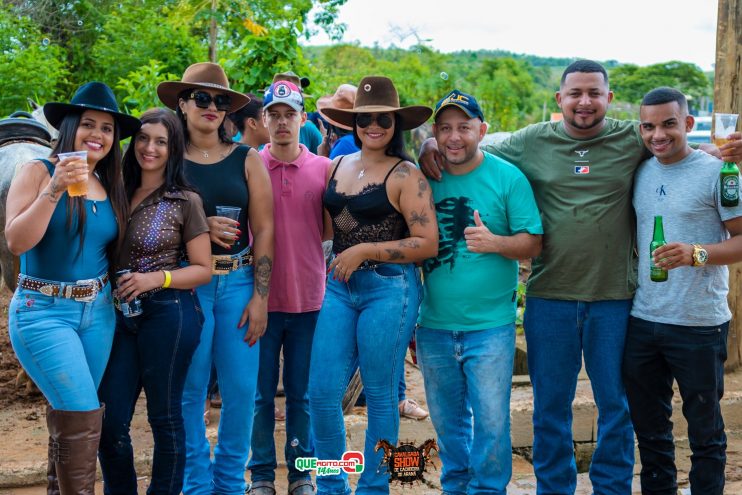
(203, 75)
(343, 99)
(378, 94)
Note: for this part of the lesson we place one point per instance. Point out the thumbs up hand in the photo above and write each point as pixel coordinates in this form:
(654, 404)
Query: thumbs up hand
(479, 239)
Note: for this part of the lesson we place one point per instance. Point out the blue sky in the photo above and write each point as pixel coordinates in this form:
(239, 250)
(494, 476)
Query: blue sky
(632, 31)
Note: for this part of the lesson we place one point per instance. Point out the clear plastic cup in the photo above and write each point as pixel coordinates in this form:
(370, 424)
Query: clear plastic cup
(231, 212)
(724, 125)
(78, 188)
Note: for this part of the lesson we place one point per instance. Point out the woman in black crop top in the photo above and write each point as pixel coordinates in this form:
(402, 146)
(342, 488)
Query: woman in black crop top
(225, 174)
(383, 221)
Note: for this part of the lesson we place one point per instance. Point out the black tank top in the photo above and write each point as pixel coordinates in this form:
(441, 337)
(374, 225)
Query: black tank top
(364, 217)
(223, 184)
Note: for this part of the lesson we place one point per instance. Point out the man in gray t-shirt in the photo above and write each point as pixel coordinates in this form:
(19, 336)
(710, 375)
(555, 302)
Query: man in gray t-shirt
(678, 328)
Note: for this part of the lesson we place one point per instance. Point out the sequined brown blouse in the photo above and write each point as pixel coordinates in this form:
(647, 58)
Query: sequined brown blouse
(158, 230)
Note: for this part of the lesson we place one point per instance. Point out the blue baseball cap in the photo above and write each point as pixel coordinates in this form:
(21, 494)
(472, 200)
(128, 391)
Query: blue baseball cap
(467, 103)
(284, 92)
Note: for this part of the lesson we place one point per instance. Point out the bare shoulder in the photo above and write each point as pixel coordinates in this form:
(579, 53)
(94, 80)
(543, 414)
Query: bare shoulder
(253, 163)
(34, 169)
(407, 171)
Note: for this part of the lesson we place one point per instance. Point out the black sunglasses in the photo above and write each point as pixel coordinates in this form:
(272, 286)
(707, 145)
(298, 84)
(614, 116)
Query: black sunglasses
(203, 99)
(383, 120)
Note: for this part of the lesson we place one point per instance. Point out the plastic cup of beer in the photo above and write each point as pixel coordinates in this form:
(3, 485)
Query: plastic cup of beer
(78, 188)
(231, 212)
(724, 125)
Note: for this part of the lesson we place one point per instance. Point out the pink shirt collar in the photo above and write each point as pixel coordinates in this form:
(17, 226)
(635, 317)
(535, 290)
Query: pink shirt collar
(272, 162)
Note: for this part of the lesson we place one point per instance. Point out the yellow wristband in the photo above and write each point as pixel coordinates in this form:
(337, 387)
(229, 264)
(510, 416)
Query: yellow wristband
(168, 279)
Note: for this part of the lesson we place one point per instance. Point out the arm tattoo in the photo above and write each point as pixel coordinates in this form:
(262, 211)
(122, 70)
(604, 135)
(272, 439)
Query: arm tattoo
(53, 187)
(394, 254)
(52, 197)
(422, 186)
(409, 243)
(402, 171)
(263, 275)
(421, 218)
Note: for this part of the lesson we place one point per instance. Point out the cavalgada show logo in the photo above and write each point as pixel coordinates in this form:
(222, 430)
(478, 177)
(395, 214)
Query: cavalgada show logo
(406, 464)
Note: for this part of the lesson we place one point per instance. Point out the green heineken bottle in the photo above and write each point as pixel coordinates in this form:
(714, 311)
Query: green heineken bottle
(657, 274)
(729, 177)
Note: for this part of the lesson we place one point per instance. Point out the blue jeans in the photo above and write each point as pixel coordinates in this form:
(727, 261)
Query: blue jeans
(63, 344)
(222, 300)
(368, 320)
(150, 351)
(694, 356)
(558, 334)
(468, 376)
(294, 333)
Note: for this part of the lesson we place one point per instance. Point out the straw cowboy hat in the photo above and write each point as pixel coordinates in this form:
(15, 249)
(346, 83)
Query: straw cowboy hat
(378, 94)
(343, 99)
(92, 96)
(203, 75)
(291, 76)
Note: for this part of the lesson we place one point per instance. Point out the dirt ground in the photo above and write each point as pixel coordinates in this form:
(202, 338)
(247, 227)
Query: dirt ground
(23, 436)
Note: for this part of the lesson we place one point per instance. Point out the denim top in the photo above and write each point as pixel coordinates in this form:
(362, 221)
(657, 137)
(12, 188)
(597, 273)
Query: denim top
(223, 184)
(58, 255)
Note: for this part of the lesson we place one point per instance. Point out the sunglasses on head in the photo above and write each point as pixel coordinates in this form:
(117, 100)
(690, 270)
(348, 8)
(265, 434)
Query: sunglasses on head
(202, 99)
(383, 120)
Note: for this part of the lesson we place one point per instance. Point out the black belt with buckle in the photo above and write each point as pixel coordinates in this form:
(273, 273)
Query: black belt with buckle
(228, 263)
(81, 290)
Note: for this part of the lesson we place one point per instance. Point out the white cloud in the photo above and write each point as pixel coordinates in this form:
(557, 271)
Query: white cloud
(633, 31)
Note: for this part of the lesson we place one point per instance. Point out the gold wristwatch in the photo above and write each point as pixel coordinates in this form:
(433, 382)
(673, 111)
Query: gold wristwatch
(700, 255)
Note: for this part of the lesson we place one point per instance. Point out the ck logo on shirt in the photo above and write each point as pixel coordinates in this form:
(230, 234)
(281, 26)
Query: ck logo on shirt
(582, 169)
(661, 192)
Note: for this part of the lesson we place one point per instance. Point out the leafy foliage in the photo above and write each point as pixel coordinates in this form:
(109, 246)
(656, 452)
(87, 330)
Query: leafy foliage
(630, 82)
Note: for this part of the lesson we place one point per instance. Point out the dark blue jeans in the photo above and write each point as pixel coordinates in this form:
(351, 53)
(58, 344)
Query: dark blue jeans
(292, 332)
(150, 351)
(694, 356)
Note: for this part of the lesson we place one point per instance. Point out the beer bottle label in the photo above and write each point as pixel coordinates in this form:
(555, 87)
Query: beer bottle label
(730, 187)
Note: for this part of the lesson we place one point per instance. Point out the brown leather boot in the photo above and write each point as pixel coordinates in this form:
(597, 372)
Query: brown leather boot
(75, 436)
(52, 486)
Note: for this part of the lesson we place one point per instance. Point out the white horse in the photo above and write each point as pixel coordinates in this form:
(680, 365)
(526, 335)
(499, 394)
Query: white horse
(23, 137)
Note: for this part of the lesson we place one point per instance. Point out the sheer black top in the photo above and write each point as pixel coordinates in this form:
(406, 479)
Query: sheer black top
(364, 217)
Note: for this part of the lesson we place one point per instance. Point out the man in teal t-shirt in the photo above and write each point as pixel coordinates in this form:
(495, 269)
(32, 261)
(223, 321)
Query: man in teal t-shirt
(487, 219)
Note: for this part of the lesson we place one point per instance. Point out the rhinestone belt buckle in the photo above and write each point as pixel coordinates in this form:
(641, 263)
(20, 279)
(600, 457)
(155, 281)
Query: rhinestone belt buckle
(47, 290)
(91, 283)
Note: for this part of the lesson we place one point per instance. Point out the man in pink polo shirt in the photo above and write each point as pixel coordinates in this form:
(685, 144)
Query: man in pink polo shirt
(297, 288)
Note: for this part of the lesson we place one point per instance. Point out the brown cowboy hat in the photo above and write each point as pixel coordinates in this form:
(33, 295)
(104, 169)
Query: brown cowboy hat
(378, 94)
(203, 75)
(343, 99)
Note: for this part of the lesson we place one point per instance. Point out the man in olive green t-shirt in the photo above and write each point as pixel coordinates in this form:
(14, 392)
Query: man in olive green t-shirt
(579, 294)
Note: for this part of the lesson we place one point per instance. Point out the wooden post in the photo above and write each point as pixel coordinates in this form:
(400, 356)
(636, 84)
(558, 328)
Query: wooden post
(728, 98)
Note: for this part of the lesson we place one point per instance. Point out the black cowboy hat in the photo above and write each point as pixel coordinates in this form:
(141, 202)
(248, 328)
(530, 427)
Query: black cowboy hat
(93, 96)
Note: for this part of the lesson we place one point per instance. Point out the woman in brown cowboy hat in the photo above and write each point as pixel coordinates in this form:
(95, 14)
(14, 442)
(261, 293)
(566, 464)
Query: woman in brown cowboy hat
(383, 221)
(61, 317)
(227, 175)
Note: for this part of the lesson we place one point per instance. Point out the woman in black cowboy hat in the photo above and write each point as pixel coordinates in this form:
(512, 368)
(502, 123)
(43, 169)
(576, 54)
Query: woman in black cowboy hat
(235, 302)
(61, 318)
(383, 222)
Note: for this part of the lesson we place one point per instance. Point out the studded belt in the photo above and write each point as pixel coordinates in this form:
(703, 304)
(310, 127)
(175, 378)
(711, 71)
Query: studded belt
(82, 290)
(223, 264)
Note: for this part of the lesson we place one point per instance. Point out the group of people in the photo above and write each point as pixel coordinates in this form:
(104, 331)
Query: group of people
(196, 289)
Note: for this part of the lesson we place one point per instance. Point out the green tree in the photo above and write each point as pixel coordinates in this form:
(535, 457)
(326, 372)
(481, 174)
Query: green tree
(33, 67)
(630, 82)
